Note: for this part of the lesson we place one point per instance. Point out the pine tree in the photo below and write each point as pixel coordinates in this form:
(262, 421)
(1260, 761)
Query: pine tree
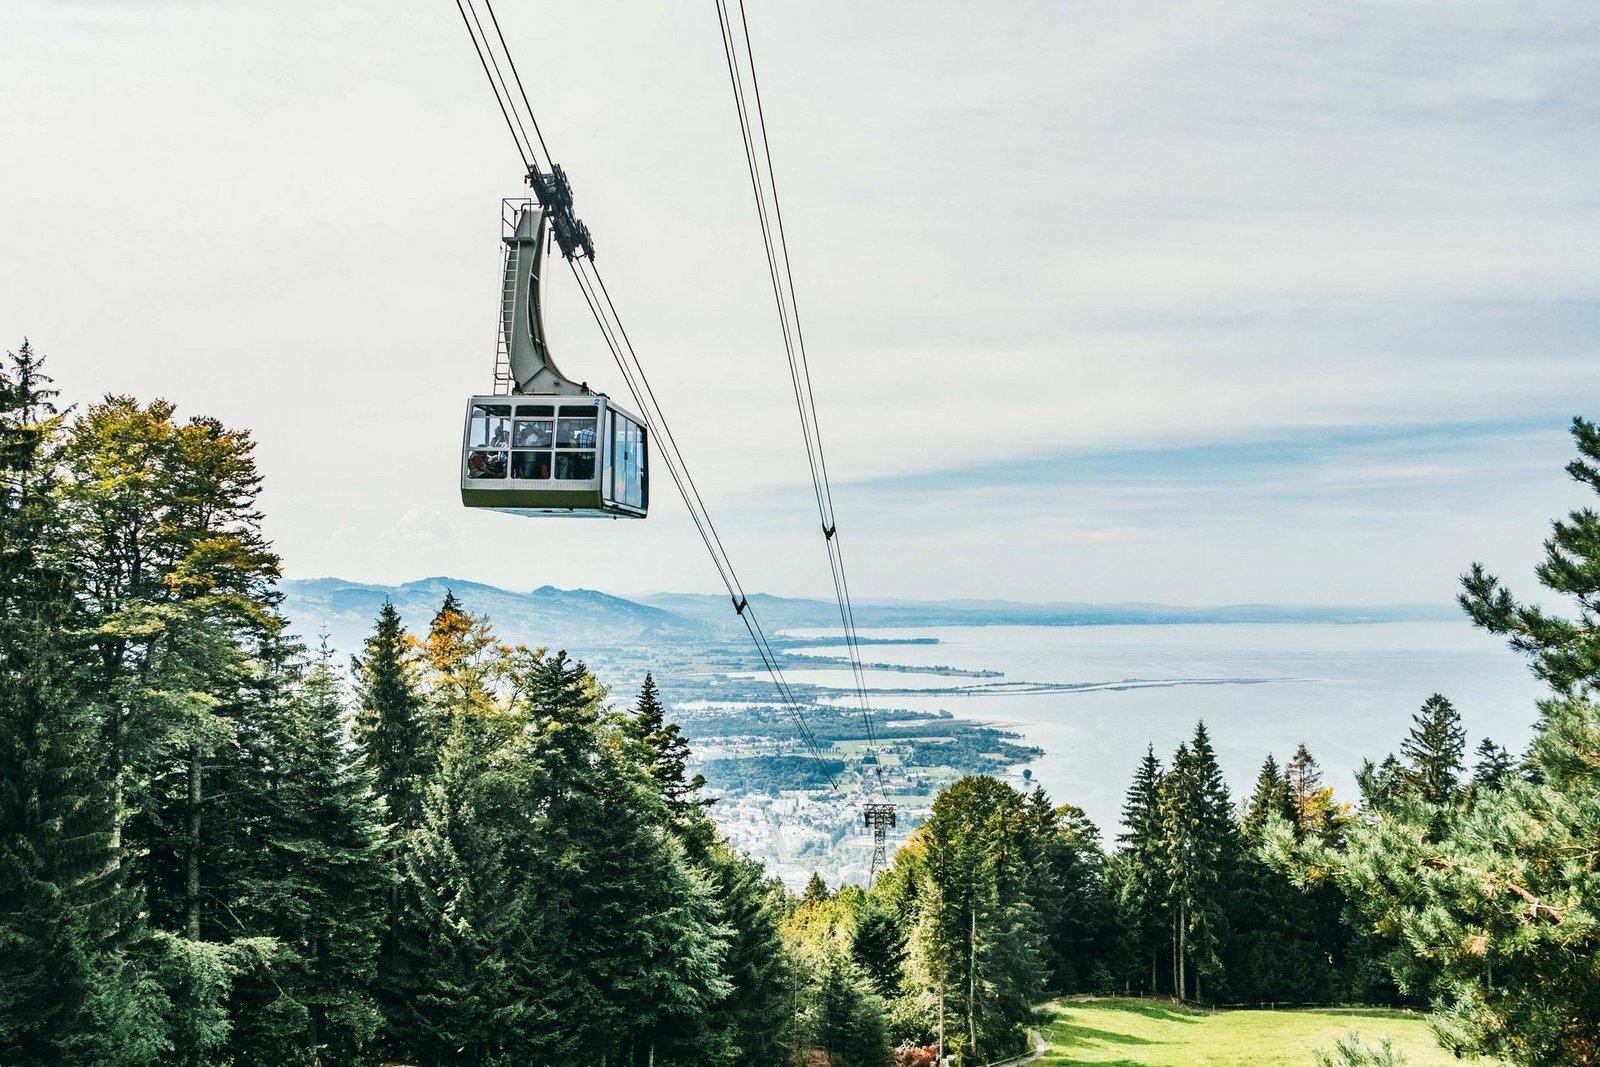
(1562, 651)
(1433, 751)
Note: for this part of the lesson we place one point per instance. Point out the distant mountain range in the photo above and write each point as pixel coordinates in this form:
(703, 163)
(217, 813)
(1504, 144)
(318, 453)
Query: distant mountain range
(587, 619)
(566, 618)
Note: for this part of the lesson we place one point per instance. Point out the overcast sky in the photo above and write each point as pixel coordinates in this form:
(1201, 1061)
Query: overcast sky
(1193, 303)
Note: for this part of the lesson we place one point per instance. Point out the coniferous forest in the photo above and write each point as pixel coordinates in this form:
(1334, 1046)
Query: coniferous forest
(221, 844)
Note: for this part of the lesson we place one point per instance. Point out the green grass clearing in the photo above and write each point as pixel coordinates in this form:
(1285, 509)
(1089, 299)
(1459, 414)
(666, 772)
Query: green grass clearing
(1142, 1033)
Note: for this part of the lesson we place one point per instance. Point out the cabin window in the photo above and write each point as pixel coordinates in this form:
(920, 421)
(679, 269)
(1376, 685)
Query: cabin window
(627, 470)
(489, 426)
(530, 465)
(575, 466)
(575, 440)
(488, 430)
(486, 463)
(533, 433)
(575, 433)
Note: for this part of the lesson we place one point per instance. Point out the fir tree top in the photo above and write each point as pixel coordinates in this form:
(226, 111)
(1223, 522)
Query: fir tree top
(1434, 749)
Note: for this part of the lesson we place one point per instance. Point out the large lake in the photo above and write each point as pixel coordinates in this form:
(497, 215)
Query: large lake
(1346, 690)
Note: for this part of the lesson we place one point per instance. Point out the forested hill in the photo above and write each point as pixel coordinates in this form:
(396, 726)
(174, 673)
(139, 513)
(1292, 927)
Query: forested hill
(585, 618)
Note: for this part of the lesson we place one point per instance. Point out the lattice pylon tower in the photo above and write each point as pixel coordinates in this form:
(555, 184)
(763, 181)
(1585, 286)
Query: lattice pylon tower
(878, 815)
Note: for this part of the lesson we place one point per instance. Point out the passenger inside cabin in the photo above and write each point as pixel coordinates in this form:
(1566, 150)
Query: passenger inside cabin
(534, 465)
(485, 464)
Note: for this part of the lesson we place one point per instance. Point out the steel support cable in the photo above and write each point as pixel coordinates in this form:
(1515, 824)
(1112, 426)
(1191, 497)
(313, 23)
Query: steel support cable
(763, 218)
(611, 329)
(512, 63)
(645, 398)
(517, 133)
(808, 424)
(794, 346)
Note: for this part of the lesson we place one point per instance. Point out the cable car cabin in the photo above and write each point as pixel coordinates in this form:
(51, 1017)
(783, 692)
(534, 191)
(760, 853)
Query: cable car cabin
(554, 455)
(545, 444)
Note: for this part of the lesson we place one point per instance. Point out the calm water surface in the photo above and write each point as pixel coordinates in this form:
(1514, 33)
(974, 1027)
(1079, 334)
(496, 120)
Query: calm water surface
(1347, 691)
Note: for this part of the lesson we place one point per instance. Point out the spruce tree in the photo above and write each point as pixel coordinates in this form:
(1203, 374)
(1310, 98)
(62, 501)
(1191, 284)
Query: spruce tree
(1315, 811)
(1494, 767)
(69, 992)
(488, 981)
(848, 1017)
(1273, 798)
(878, 946)
(400, 751)
(390, 729)
(1142, 878)
(320, 893)
(178, 584)
(1282, 940)
(747, 1024)
(641, 943)
(1071, 893)
(816, 891)
(668, 752)
(1434, 750)
(1381, 784)
(1197, 844)
(977, 930)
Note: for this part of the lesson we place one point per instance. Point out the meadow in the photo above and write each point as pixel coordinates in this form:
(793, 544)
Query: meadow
(1134, 1033)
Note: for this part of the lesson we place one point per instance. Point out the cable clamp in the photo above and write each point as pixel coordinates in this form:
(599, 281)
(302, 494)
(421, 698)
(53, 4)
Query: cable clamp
(739, 605)
(829, 531)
